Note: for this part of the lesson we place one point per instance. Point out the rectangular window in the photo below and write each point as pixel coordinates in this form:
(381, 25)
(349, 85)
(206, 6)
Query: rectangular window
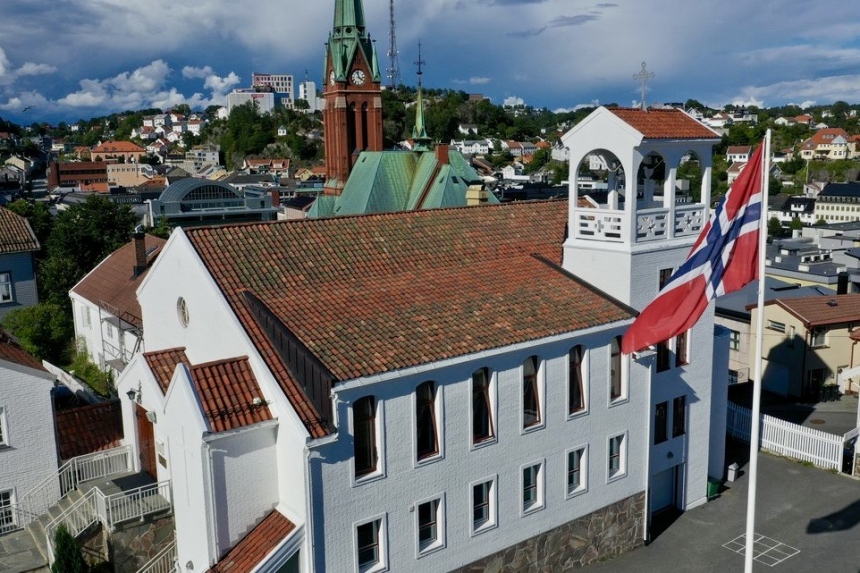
(7, 515)
(576, 381)
(369, 547)
(662, 356)
(4, 432)
(532, 488)
(617, 456)
(483, 510)
(87, 319)
(531, 393)
(679, 416)
(427, 434)
(682, 349)
(733, 376)
(777, 326)
(734, 340)
(665, 275)
(661, 423)
(5, 287)
(430, 526)
(364, 435)
(482, 407)
(576, 471)
(819, 337)
(616, 382)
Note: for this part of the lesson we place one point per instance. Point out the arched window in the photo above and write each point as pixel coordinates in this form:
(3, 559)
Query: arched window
(531, 397)
(364, 435)
(427, 436)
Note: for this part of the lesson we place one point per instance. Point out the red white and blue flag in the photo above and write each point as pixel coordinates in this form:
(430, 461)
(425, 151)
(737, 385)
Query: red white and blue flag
(724, 259)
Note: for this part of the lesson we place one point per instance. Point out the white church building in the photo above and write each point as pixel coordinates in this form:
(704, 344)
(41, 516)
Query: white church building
(437, 390)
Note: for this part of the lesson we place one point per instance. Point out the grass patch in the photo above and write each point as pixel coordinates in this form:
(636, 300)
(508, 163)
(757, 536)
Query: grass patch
(100, 381)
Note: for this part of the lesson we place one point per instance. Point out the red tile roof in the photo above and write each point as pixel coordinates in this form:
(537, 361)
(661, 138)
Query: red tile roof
(664, 123)
(10, 351)
(383, 292)
(88, 429)
(262, 540)
(16, 235)
(229, 393)
(823, 310)
(118, 147)
(163, 364)
(114, 281)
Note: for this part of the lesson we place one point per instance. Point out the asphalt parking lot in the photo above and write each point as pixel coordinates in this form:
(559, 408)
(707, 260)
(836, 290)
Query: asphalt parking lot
(810, 518)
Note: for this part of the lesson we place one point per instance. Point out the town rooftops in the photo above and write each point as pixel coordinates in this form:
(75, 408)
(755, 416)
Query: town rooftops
(16, 235)
(738, 303)
(664, 123)
(820, 311)
(118, 147)
(114, 281)
(87, 429)
(10, 351)
(849, 189)
(246, 555)
(379, 293)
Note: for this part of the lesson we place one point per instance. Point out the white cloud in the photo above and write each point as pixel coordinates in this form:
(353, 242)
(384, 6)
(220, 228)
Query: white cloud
(200, 73)
(513, 101)
(479, 80)
(221, 85)
(9, 74)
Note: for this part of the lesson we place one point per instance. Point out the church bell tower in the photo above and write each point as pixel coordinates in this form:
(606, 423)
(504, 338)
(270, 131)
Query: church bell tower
(353, 100)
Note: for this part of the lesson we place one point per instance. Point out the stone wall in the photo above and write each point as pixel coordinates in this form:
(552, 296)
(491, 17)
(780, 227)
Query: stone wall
(133, 544)
(606, 533)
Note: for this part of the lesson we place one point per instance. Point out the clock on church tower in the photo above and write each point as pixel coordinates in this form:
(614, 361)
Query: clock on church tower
(352, 115)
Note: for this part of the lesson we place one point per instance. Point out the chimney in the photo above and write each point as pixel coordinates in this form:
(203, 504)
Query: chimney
(139, 252)
(442, 153)
(842, 283)
(276, 198)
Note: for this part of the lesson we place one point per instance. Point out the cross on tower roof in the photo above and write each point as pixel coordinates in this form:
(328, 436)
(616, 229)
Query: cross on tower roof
(419, 62)
(643, 76)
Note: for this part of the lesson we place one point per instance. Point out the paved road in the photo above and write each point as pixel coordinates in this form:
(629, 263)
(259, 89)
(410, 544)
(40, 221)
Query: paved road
(814, 511)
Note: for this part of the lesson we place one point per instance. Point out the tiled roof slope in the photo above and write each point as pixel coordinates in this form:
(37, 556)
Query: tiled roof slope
(664, 123)
(383, 292)
(229, 393)
(163, 364)
(821, 310)
(10, 351)
(114, 282)
(16, 236)
(262, 540)
(88, 429)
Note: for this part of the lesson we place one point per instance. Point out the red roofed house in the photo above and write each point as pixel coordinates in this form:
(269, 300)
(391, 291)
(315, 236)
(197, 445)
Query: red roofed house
(432, 390)
(125, 151)
(28, 447)
(107, 316)
(828, 143)
(18, 247)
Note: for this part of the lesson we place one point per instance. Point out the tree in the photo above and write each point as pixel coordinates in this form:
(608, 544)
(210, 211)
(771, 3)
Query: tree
(67, 553)
(774, 227)
(796, 224)
(45, 330)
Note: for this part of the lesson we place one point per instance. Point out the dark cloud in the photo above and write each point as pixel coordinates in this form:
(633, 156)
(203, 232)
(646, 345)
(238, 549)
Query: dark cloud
(578, 20)
(528, 33)
(607, 5)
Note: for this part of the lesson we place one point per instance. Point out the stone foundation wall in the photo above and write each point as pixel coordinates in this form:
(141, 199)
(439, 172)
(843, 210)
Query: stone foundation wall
(607, 532)
(133, 544)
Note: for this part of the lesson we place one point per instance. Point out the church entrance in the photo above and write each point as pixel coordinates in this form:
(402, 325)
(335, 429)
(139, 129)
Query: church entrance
(145, 442)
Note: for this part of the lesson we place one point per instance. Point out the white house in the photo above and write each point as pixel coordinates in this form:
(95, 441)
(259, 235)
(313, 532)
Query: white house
(107, 316)
(28, 446)
(472, 400)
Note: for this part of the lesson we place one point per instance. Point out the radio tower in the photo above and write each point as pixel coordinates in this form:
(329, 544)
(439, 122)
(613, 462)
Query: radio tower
(393, 71)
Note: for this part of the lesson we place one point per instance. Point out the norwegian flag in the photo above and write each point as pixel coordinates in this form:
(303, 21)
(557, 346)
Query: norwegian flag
(724, 259)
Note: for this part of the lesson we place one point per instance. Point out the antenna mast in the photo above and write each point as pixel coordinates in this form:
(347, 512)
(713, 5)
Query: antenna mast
(393, 71)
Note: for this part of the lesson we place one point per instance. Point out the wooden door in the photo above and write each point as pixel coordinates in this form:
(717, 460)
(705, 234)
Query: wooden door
(145, 442)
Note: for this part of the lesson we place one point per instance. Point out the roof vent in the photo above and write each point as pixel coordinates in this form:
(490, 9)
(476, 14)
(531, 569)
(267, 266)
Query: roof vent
(832, 303)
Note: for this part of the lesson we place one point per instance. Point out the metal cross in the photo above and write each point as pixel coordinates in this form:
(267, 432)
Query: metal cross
(643, 76)
(419, 62)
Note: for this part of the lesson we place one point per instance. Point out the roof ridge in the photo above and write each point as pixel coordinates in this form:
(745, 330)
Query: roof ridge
(212, 363)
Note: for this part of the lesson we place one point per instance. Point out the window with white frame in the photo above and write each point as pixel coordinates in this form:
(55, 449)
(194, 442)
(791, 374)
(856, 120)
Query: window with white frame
(576, 470)
(531, 393)
(483, 505)
(682, 349)
(617, 465)
(370, 549)
(532, 486)
(365, 447)
(679, 416)
(7, 515)
(482, 407)
(5, 287)
(577, 381)
(430, 525)
(4, 431)
(734, 340)
(426, 422)
(87, 319)
(818, 337)
(617, 384)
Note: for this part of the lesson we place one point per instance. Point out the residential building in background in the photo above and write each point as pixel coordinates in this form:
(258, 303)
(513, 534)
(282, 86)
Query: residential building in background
(18, 248)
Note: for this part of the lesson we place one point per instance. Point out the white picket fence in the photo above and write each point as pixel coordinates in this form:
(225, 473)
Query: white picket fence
(786, 439)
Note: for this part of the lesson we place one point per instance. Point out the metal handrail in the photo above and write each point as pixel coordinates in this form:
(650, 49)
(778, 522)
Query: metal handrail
(78, 517)
(136, 503)
(164, 561)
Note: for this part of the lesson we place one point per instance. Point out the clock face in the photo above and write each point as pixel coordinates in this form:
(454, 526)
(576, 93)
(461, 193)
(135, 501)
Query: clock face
(358, 77)
(331, 78)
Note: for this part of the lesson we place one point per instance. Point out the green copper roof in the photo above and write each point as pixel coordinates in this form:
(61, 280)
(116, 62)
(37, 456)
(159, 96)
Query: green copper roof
(349, 17)
(419, 132)
(388, 181)
(348, 35)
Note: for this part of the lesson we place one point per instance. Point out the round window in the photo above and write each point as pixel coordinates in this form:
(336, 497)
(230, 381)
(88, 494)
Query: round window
(182, 311)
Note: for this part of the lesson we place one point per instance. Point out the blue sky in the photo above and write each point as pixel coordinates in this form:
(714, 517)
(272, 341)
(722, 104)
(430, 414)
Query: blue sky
(61, 60)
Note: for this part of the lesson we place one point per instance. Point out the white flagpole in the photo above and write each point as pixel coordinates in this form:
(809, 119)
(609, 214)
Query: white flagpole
(756, 401)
